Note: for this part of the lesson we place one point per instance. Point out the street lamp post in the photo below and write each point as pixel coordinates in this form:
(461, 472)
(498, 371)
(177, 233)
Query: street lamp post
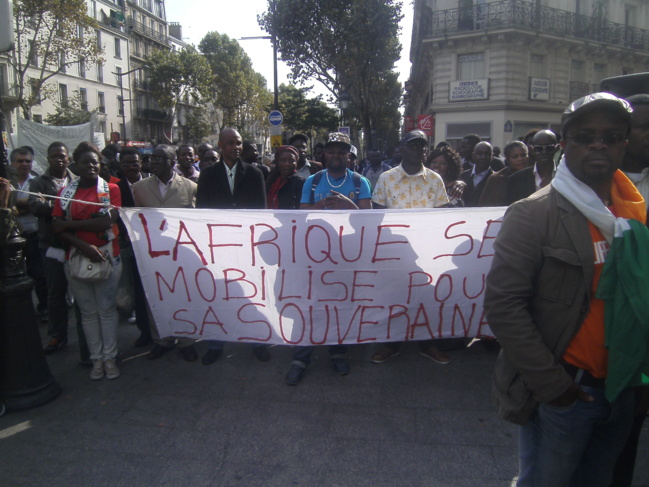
(273, 39)
(121, 93)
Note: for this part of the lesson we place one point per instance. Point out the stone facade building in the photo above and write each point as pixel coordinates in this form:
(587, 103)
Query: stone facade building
(500, 68)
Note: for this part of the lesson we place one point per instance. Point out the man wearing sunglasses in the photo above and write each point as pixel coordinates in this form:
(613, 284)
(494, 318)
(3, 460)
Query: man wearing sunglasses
(523, 183)
(558, 374)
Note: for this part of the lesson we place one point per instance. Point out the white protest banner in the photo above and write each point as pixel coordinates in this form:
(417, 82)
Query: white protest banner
(315, 277)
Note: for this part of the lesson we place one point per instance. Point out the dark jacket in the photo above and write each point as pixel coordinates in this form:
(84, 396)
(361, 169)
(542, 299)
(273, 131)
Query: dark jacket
(290, 194)
(127, 196)
(472, 194)
(214, 190)
(520, 185)
(42, 208)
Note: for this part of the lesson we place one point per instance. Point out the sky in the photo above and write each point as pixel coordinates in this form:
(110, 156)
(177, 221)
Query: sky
(238, 18)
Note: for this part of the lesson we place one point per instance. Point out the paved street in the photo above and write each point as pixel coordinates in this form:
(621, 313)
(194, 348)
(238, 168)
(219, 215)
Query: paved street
(408, 422)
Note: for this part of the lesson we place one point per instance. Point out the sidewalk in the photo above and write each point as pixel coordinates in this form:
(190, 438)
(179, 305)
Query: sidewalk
(408, 422)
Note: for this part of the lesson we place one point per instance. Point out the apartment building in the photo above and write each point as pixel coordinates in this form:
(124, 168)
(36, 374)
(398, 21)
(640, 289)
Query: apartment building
(148, 29)
(500, 68)
(99, 87)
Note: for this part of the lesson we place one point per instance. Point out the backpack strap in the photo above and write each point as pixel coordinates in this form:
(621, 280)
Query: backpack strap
(357, 185)
(317, 177)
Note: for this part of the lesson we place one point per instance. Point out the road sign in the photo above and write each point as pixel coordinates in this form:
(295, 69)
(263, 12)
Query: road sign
(426, 124)
(275, 117)
(275, 141)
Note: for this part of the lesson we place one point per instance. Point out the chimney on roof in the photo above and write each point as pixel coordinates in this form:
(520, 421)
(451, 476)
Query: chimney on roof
(176, 30)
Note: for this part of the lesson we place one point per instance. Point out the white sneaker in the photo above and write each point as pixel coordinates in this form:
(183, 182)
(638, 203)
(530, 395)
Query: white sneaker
(112, 372)
(132, 320)
(97, 372)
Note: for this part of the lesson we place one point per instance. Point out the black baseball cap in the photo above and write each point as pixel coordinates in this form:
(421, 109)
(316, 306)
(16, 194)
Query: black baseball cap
(594, 101)
(414, 136)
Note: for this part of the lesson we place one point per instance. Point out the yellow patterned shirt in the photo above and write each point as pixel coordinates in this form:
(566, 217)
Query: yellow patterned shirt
(398, 189)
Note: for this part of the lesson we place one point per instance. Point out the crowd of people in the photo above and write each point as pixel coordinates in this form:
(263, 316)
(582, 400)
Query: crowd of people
(542, 298)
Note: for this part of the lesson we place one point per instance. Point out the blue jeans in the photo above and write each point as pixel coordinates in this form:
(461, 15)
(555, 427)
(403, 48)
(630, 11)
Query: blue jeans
(577, 445)
(302, 355)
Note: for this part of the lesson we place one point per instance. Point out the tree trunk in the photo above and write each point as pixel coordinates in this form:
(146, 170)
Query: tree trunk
(367, 131)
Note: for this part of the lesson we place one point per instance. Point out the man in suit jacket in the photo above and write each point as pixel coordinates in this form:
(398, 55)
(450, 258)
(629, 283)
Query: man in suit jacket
(476, 177)
(523, 183)
(231, 184)
(166, 189)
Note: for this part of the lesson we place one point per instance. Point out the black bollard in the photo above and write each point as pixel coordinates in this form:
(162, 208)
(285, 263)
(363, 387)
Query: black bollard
(25, 377)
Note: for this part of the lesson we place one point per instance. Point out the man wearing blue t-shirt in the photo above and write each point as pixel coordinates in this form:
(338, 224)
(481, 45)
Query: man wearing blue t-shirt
(335, 188)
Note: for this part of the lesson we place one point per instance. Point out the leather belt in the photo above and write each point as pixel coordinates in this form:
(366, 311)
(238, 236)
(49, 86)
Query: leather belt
(582, 376)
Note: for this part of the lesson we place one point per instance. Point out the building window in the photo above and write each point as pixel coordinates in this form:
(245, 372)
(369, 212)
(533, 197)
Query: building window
(99, 45)
(82, 68)
(120, 106)
(37, 118)
(35, 93)
(118, 48)
(63, 95)
(4, 85)
(80, 32)
(578, 85)
(630, 15)
(102, 127)
(101, 102)
(537, 66)
(118, 74)
(471, 66)
(456, 131)
(601, 72)
(92, 9)
(33, 55)
(100, 72)
(83, 98)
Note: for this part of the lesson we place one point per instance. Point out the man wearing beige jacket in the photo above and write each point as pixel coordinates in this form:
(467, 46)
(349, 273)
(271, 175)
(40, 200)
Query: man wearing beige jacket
(166, 189)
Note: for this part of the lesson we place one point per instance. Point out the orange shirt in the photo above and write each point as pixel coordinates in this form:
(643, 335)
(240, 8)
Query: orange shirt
(587, 350)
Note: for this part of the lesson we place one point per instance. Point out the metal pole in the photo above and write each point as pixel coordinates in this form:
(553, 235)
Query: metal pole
(121, 99)
(274, 35)
(276, 105)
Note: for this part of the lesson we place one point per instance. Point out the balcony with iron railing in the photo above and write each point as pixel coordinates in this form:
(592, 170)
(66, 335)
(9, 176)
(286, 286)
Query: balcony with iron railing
(151, 114)
(528, 16)
(152, 34)
(141, 84)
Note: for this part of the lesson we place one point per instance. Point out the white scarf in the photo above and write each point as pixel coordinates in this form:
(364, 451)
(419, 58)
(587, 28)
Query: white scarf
(588, 203)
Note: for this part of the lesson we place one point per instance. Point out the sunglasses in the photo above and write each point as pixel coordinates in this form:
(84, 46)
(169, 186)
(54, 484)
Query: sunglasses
(540, 149)
(587, 139)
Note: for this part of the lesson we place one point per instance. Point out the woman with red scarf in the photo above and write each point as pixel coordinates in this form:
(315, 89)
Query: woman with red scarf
(284, 187)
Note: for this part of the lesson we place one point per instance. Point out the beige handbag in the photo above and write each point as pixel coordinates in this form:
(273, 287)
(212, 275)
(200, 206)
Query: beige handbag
(83, 269)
